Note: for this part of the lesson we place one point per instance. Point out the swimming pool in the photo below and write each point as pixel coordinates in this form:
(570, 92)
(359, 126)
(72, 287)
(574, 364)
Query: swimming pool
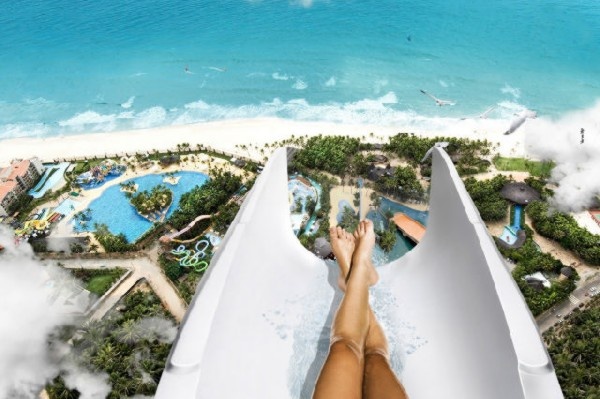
(303, 191)
(47, 182)
(380, 222)
(509, 235)
(66, 207)
(114, 209)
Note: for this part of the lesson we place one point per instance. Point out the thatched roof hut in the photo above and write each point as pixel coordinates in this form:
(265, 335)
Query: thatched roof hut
(169, 159)
(322, 247)
(379, 158)
(376, 173)
(567, 271)
(519, 193)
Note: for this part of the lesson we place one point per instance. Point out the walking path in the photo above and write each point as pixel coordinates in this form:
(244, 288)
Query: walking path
(142, 267)
(554, 315)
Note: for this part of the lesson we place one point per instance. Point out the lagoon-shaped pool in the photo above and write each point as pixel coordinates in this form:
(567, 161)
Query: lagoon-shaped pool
(114, 209)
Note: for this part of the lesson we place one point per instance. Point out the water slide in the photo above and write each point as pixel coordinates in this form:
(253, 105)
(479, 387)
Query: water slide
(173, 236)
(258, 325)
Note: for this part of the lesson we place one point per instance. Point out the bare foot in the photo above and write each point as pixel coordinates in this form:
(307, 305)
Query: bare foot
(365, 242)
(342, 244)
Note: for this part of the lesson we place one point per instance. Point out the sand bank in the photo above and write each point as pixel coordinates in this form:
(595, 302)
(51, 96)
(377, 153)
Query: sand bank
(225, 135)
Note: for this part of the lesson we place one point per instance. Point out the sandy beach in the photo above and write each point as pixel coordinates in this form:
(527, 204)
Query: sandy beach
(225, 135)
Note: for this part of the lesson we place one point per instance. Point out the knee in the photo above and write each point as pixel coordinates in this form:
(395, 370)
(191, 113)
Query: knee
(381, 352)
(342, 344)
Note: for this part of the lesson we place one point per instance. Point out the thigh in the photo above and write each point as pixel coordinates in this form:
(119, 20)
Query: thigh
(342, 373)
(380, 382)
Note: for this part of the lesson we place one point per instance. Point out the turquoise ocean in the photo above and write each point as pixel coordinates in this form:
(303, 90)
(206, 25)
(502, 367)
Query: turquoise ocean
(79, 66)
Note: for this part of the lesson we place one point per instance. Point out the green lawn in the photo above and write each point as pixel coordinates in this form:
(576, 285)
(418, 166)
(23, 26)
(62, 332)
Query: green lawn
(98, 281)
(535, 168)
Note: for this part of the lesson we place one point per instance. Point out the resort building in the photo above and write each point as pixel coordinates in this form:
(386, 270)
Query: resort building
(16, 179)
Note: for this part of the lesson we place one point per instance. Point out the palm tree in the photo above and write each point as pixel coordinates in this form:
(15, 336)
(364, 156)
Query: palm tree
(129, 332)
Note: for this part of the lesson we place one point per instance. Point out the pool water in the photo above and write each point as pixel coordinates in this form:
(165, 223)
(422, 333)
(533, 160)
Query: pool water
(66, 207)
(46, 183)
(114, 209)
(509, 235)
(380, 222)
(300, 191)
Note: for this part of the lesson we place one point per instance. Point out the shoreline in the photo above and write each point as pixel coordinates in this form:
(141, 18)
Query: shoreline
(226, 135)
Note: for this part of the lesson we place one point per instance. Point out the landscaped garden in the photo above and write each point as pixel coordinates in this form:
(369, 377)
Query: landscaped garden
(98, 281)
(128, 347)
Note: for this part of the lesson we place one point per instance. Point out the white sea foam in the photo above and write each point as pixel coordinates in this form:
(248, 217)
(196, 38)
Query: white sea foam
(10, 131)
(513, 91)
(300, 85)
(330, 82)
(90, 120)
(303, 3)
(38, 101)
(197, 105)
(280, 76)
(150, 117)
(379, 85)
(127, 104)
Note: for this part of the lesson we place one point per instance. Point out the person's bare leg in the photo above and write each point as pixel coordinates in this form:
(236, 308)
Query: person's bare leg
(342, 373)
(379, 381)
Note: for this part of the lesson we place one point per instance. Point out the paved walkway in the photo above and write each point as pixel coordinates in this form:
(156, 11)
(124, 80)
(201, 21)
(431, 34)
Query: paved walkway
(145, 266)
(550, 317)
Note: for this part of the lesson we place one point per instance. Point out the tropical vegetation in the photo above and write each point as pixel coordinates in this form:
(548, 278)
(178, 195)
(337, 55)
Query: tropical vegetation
(122, 346)
(564, 229)
(328, 153)
(151, 202)
(387, 238)
(574, 346)
(468, 153)
(111, 242)
(486, 196)
(221, 220)
(205, 199)
(529, 259)
(403, 183)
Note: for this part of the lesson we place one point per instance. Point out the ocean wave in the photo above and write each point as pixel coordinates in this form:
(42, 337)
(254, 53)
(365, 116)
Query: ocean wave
(88, 118)
(127, 104)
(513, 91)
(150, 117)
(330, 82)
(11, 131)
(279, 76)
(379, 85)
(38, 101)
(299, 85)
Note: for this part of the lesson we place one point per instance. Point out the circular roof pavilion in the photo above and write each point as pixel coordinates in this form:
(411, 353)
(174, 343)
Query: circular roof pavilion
(322, 247)
(519, 193)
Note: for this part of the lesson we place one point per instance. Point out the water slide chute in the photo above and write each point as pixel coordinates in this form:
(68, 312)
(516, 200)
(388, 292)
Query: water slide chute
(258, 325)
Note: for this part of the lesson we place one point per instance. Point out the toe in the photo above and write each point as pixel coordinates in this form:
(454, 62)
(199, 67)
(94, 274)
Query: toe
(332, 232)
(340, 232)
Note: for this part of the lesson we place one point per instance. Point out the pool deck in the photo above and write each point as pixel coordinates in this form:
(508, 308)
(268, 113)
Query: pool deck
(409, 227)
